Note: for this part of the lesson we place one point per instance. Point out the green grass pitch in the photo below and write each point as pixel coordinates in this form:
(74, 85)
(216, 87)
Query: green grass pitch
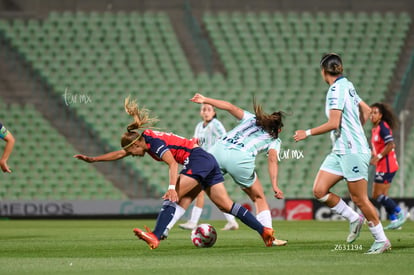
(109, 247)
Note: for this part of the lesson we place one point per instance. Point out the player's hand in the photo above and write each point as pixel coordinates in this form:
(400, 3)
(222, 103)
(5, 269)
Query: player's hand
(198, 98)
(84, 158)
(4, 167)
(278, 193)
(374, 160)
(171, 195)
(299, 135)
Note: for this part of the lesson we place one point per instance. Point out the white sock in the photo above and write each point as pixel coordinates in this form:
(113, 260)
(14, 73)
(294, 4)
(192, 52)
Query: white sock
(345, 211)
(196, 214)
(378, 232)
(229, 217)
(265, 218)
(179, 212)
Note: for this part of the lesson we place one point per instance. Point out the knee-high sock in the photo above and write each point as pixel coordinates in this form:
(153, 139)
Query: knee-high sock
(377, 232)
(265, 218)
(164, 217)
(345, 211)
(179, 212)
(229, 218)
(246, 217)
(390, 206)
(196, 214)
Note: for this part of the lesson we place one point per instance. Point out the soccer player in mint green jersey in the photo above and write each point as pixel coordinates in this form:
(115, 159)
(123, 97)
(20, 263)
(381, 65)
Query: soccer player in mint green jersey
(236, 152)
(207, 132)
(9, 139)
(350, 156)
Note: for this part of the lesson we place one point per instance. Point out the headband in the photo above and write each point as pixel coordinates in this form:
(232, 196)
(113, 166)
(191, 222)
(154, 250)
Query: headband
(132, 142)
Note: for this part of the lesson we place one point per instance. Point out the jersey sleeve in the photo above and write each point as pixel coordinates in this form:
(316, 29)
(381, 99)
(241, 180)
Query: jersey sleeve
(385, 133)
(3, 131)
(336, 97)
(219, 129)
(246, 115)
(276, 144)
(158, 147)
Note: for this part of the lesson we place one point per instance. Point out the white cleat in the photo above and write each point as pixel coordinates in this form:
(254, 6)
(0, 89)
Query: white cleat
(379, 247)
(233, 225)
(278, 242)
(188, 225)
(355, 229)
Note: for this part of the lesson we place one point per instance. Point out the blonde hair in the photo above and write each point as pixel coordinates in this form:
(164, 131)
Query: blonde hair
(141, 116)
(141, 119)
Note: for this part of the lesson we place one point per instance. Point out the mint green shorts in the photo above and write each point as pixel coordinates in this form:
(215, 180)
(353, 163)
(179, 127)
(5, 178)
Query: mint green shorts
(352, 167)
(239, 164)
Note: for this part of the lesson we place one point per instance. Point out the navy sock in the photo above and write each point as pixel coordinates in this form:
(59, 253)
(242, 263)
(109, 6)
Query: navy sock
(246, 217)
(390, 206)
(164, 217)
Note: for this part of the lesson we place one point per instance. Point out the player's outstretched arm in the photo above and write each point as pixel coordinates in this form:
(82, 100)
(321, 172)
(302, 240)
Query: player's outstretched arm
(221, 104)
(273, 168)
(7, 151)
(115, 155)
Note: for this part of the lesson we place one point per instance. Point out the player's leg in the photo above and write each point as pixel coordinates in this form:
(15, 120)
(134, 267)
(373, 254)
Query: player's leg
(195, 213)
(218, 195)
(358, 192)
(381, 186)
(355, 167)
(257, 196)
(187, 187)
(329, 174)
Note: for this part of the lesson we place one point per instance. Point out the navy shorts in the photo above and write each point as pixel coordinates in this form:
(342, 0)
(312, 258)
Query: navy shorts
(382, 177)
(202, 167)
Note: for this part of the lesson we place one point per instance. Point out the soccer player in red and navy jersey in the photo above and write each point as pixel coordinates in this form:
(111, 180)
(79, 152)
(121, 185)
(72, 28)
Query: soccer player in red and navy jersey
(385, 160)
(200, 171)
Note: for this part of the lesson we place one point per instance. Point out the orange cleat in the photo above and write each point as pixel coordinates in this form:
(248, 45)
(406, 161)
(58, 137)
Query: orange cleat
(267, 236)
(148, 237)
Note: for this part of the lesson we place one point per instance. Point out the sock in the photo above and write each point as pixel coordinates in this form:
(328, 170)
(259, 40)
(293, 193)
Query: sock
(390, 206)
(246, 217)
(265, 218)
(179, 212)
(196, 214)
(229, 218)
(164, 217)
(345, 211)
(377, 232)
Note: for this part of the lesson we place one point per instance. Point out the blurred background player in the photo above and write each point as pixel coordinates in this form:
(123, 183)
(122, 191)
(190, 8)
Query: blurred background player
(236, 153)
(350, 155)
(200, 171)
(207, 132)
(385, 161)
(9, 139)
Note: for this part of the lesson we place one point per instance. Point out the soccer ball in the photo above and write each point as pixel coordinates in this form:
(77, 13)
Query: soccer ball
(204, 235)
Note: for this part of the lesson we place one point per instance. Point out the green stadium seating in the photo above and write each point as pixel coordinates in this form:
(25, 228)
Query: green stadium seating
(272, 56)
(37, 173)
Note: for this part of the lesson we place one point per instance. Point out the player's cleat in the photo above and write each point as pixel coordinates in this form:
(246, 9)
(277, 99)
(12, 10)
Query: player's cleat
(355, 229)
(267, 236)
(148, 237)
(379, 247)
(188, 225)
(233, 225)
(392, 226)
(278, 242)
